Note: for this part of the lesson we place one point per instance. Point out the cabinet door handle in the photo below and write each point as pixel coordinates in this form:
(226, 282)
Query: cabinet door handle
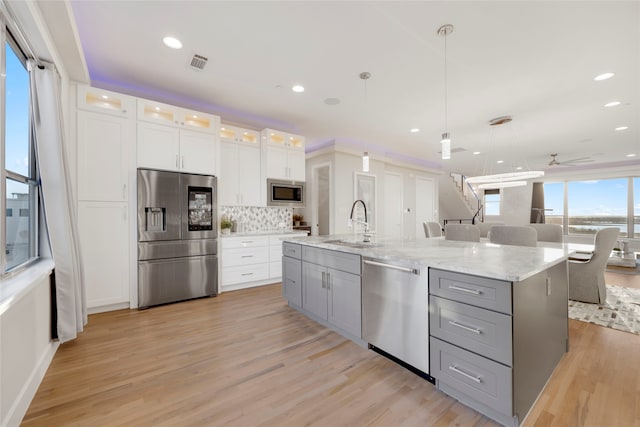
(124, 191)
(466, 290)
(176, 161)
(323, 280)
(182, 160)
(455, 369)
(466, 328)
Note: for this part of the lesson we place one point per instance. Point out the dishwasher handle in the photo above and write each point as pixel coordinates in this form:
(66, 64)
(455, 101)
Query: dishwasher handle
(393, 267)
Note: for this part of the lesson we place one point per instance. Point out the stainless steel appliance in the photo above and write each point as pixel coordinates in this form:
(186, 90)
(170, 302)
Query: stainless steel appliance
(285, 193)
(395, 311)
(177, 231)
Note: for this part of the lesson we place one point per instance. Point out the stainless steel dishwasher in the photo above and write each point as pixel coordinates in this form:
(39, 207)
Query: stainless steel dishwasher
(395, 311)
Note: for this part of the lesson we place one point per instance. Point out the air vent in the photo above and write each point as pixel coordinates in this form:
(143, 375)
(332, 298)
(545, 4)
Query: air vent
(198, 62)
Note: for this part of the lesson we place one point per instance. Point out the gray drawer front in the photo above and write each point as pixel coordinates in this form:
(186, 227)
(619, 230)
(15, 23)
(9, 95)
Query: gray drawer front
(342, 261)
(479, 291)
(292, 250)
(482, 331)
(477, 377)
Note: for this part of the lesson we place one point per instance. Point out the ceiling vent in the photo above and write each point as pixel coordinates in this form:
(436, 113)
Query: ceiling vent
(198, 62)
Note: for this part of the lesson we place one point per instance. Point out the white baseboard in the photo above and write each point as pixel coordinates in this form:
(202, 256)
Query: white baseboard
(23, 400)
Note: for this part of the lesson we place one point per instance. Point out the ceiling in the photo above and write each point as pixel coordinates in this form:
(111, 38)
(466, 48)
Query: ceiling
(535, 61)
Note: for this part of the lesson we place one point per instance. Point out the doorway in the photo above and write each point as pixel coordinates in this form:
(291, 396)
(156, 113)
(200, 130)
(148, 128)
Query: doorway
(425, 203)
(321, 215)
(393, 204)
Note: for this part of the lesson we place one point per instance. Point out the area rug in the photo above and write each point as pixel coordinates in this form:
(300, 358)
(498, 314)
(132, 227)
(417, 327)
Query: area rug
(620, 311)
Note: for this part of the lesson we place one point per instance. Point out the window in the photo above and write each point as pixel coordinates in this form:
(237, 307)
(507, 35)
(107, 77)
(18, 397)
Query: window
(554, 202)
(492, 202)
(19, 184)
(595, 204)
(636, 206)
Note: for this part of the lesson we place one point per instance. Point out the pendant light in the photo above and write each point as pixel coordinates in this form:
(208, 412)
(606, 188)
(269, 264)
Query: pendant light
(365, 162)
(445, 142)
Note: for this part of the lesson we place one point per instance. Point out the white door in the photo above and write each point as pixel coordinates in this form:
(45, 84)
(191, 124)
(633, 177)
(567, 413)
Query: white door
(250, 184)
(392, 210)
(228, 191)
(197, 152)
(425, 203)
(103, 156)
(321, 200)
(158, 147)
(104, 236)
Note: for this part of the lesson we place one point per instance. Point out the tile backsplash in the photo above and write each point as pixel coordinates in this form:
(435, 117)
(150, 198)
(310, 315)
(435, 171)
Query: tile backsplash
(255, 219)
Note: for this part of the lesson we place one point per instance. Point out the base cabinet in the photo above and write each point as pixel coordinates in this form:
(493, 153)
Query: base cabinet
(331, 288)
(104, 239)
(493, 343)
(292, 276)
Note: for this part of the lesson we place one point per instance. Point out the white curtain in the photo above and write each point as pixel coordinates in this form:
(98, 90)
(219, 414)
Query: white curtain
(59, 212)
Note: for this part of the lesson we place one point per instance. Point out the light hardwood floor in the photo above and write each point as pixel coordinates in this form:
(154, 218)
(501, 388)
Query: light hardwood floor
(246, 359)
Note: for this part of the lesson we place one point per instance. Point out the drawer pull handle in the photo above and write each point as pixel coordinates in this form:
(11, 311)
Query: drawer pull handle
(246, 256)
(247, 274)
(466, 328)
(469, 291)
(455, 369)
(247, 241)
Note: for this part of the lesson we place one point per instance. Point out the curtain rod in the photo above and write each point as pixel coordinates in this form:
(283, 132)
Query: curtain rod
(16, 31)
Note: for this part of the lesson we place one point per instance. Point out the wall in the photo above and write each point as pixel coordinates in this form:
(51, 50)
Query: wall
(515, 205)
(343, 167)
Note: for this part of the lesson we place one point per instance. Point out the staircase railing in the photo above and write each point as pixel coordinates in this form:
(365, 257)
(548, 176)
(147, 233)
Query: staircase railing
(470, 195)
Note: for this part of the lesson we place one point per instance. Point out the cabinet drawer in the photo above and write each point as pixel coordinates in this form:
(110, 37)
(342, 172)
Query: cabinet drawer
(244, 256)
(244, 242)
(244, 274)
(479, 291)
(292, 250)
(482, 331)
(342, 261)
(461, 374)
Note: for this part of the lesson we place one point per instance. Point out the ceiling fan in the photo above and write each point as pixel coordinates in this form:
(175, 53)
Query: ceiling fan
(572, 162)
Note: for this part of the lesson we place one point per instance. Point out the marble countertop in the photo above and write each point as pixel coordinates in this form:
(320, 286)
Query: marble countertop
(266, 233)
(504, 262)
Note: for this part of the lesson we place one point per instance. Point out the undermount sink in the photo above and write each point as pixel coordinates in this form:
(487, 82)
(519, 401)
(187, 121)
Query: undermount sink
(352, 244)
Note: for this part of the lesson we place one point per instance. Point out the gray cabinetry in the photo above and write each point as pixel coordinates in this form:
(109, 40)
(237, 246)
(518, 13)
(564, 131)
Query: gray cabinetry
(331, 289)
(292, 273)
(493, 343)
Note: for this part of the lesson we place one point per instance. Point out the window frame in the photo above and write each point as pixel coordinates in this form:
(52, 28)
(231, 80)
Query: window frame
(6, 38)
(493, 191)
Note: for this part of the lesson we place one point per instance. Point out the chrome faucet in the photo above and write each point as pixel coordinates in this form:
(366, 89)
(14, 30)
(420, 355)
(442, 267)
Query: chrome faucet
(367, 235)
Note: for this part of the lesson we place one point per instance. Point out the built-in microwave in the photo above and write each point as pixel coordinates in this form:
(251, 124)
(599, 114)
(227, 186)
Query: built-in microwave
(285, 193)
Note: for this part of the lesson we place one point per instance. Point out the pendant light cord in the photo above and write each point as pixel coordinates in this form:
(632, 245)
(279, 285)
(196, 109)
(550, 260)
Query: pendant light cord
(446, 107)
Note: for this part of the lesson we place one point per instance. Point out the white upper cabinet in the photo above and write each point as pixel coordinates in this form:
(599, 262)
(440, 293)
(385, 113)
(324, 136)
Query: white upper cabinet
(239, 181)
(106, 102)
(157, 112)
(174, 139)
(285, 157)
(104, 148)
(239, 135)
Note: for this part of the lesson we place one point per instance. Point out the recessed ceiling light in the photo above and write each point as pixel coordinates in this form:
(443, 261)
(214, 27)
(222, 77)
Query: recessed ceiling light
(519, 168)
(603, 76)
(157, 108)
(612, 104)
(475, 153)
(105, 97)
(631, 155)
(172, 42)
(500, 161)
(622, 128)
(414, 130)
(298, 88)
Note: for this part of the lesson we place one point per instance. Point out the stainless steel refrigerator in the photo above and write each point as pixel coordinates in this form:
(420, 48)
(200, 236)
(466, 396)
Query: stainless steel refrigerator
(177, 231)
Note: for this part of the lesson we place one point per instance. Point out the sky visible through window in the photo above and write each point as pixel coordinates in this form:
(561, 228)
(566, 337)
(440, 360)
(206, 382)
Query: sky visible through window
(17, 118)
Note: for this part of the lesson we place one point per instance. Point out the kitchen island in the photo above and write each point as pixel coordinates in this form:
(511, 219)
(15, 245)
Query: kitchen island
(488, 322)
